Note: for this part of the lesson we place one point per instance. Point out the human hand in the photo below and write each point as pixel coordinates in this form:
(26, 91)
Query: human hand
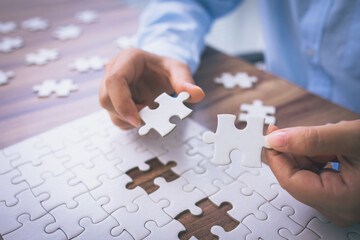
(134, 78)
(298, 159)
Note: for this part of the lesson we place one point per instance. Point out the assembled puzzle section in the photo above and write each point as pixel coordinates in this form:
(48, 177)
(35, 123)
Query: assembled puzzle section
(89, 164)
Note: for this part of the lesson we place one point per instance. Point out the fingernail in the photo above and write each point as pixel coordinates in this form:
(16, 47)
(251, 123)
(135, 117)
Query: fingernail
(134, 121)
(276, 139)
(191, 85)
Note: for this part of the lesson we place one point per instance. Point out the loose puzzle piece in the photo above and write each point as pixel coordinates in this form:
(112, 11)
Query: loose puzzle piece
(87, 16)
(179, 199)
(8, 189)
(169, 231)
(227, 138)
(5, 77)
(302, 213)
(36, 228)
(42, 56)
(61, 88)
(330, 231)
(239, 232)
(269, 228)
(7, 27)
(27, 203)
(261, 181)
(233, 193)
(159, 118)
(134, 222)
(35, 24)
(241, 79)
(117, 194)
(101, 230)
(126, 42)
(67, 32)
(58, 190)
(204, 181)
(67, 219)
(8, 44)
(85, 64)
(257, 109)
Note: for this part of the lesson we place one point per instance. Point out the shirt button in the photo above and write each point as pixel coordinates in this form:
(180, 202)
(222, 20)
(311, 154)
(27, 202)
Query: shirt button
(309, 52)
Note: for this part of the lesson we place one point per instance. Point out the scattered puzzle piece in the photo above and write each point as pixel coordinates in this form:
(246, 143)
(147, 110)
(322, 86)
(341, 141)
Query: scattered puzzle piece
(35, 24)
(67, 32)
(8, 44)
(85, 64)
(7, 27)
(61, 88)
(126, 42)
(179, 199)
(5, 77)
(240, 79)
(87, 16)
(159, 118)
(227, 138)
(42, 56)
(258, 109)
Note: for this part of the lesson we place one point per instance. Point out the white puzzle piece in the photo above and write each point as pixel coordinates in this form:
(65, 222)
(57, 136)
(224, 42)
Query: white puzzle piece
(5, 162)
(42, 56)
(236, 168)
(269, 227)
(65, 86)
(240, 79)
(238, 233)
(5, 77)
(124, 42)
(8, 44)
(61, 88)
(330, 231)
(179, 199)
(35, 24)
(9, 190)
(134, 222)
(35, 228)
(169, 231)
(118, 196)
(7, 27)
(159, 118)
(87, 16)
(227, 138)
(305, 234)
(242, 204)
(258, 109)
(85, 64)
(67, 32)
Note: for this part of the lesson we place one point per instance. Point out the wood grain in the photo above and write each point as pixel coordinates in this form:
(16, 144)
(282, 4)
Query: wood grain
(23, 115)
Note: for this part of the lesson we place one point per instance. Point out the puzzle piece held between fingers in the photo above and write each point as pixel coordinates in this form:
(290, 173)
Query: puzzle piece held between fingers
(258, 109)
(227, 138)
(159, 118)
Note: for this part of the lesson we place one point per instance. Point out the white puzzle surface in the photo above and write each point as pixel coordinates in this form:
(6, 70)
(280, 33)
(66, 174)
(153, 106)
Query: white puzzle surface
(74, 174)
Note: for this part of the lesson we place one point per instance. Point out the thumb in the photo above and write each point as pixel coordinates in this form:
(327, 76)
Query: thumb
(182, 81)
(340, 139)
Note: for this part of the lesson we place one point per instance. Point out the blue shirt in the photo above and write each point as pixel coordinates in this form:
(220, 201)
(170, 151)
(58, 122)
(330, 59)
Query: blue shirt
(313, 43)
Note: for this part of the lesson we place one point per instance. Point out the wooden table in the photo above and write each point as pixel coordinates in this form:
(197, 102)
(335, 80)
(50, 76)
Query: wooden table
(23, 114)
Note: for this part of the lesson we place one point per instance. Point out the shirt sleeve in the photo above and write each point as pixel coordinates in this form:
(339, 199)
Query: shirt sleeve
(177, 28)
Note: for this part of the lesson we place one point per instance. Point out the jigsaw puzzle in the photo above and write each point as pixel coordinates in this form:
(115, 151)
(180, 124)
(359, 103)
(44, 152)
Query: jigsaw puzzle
(8, 44)
(5, 77)
(87, 16)
(85, 64)
(258, 109)
(7, 27)
(61, 88)
(159, 118)
(67, 32)
(227, 138)
(50, 181)
(35, 24)
(42, 56)
(240, 79)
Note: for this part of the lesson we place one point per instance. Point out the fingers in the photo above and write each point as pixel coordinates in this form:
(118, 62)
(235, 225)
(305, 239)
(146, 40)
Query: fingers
(335, 139)
(181, 80)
